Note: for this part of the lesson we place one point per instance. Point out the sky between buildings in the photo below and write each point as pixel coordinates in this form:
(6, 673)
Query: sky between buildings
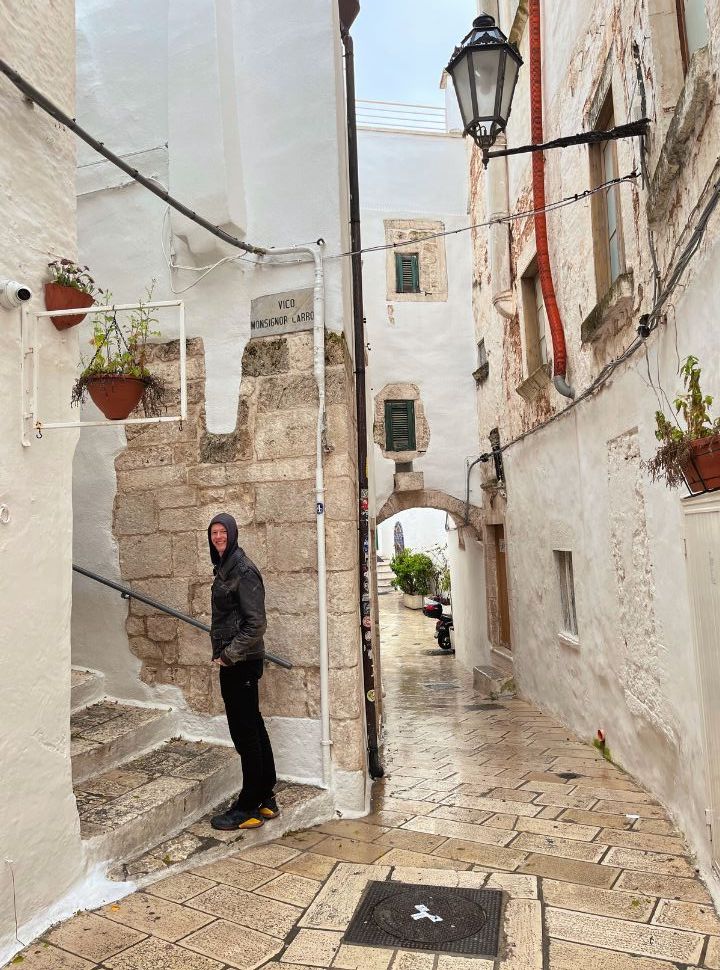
(402, 46)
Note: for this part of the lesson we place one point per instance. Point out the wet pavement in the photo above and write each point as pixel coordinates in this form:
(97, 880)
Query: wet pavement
(501, 797)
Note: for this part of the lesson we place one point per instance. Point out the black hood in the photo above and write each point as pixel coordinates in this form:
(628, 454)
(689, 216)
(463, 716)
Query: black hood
(232, 532)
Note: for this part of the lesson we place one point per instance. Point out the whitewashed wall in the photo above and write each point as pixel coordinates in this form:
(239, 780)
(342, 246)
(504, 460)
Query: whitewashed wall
(39, 834)
(221, 107)
(407, 175)
(578, 485)
(467, 572)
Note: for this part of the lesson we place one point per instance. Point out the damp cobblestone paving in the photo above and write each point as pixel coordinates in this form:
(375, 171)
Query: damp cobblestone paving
(476, 796)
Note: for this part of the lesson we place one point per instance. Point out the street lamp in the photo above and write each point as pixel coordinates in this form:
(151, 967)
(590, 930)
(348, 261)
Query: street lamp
(484, 70)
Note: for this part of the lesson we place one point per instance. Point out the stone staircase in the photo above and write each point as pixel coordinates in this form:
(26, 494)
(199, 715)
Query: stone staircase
(385, 576)
(145, 795)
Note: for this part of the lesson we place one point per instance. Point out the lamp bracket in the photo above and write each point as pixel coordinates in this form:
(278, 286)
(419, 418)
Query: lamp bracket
(633, 129)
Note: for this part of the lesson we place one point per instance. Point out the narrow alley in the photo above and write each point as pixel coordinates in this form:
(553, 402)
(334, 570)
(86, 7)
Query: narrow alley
(478, 793)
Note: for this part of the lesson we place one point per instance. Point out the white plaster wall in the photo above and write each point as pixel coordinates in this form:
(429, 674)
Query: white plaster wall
(633, 674)
(423, 529)
(39, 834)
(431, 344)
(467, 573)
(577, 485)
(276, 138)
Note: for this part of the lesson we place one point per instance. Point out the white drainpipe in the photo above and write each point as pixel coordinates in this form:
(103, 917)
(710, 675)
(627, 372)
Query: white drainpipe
(314, 252)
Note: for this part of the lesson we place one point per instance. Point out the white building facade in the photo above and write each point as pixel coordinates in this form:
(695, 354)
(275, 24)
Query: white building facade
(602, 622)
(197, 99)
(418, 310)
(43, 875)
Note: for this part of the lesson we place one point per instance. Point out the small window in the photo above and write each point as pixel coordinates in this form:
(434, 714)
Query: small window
(605, 206)
(407, 272)
(692, 28)
(400, 426)
(483, 365)
(564, 563)
(535, 318)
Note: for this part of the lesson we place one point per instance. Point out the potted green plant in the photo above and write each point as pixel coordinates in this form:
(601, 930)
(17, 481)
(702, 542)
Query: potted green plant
(414, 576)
(690, 454)
(70, 287)
(117, 377)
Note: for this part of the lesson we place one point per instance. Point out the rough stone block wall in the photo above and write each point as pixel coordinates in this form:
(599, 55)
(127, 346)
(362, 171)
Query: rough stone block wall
(172, 481)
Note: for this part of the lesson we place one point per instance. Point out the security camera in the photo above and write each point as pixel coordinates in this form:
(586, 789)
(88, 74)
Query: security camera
(14, 294)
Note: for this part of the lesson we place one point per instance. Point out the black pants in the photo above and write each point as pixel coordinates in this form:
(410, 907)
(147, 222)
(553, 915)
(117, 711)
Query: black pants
(239, 688)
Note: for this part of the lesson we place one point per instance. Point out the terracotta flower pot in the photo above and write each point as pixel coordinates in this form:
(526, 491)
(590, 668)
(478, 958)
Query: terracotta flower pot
(116, 395)
(59, 297)
(703, 471)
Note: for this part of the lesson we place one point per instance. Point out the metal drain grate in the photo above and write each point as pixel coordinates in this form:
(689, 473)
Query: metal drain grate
(439, 653)
(436, 918)
(441, 686)
(484, 707)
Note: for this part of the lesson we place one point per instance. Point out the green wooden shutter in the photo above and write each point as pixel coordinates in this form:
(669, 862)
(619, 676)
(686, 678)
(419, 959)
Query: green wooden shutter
(407, 272)
(400, 426)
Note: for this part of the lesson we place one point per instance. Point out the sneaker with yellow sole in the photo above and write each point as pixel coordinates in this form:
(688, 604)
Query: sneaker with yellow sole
(269, 808)
(236, 818)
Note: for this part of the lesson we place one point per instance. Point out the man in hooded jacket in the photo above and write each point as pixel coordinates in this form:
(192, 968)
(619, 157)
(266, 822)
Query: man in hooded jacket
(238, 625)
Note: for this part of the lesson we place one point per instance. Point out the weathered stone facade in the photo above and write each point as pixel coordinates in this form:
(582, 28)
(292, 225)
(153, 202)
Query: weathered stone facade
(431, 252)
(170, 483)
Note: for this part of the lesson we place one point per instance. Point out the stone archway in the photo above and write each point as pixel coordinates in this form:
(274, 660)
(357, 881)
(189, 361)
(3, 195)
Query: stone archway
(427, 498)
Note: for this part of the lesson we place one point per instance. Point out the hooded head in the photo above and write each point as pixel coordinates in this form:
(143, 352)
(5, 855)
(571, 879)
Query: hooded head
(232, 537)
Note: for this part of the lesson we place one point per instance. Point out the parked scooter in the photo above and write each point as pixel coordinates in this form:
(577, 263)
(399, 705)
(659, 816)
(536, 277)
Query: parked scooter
(444, 622)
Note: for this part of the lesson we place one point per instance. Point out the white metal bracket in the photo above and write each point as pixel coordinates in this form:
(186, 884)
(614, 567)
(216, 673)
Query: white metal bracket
(29, 373)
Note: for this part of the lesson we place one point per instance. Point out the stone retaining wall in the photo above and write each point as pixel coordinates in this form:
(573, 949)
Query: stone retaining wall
(172, 481)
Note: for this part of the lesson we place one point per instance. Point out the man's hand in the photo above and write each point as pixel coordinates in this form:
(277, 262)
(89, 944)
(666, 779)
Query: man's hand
(220, 662)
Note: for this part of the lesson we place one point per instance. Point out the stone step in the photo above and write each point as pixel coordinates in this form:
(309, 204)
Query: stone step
(301, 806)
(493, 682)
(86, 687)
(107, 733)
(146, 801)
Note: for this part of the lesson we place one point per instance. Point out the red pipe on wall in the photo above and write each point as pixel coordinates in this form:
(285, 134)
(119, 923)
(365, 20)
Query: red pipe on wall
(538, 171)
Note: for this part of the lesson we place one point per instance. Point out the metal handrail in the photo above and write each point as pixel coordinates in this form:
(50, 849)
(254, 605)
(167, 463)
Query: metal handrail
(127, 593)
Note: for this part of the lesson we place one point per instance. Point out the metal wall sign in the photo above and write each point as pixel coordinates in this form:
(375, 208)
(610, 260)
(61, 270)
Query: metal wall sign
(282, 313)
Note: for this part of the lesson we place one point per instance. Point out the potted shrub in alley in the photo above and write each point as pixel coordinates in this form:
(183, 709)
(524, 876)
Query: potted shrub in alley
(116, 377)
(690, 454)
(70, 287)
(414, 576)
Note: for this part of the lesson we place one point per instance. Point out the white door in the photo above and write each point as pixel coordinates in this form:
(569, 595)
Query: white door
(702, 536)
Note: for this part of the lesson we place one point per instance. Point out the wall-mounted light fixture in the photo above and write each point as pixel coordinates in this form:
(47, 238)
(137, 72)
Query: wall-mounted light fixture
(484, 70)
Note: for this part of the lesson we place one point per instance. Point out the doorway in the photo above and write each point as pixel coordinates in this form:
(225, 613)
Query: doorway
(501, 584)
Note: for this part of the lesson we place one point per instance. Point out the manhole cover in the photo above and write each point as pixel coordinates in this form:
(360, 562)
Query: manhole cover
(568, 775)
(441, 686)
(484, 707)
(436, 918)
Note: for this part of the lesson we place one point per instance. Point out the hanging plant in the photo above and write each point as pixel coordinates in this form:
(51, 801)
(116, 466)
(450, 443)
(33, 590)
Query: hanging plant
(70, 287)
(117, 378)
(688, 455)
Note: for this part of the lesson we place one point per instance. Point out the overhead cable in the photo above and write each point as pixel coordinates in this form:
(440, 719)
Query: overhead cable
(649, 321)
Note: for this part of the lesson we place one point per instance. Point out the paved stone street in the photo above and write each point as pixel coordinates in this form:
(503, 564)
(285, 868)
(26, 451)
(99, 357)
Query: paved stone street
(477, 794)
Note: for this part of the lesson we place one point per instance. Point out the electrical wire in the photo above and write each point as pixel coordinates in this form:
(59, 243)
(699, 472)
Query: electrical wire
(498, 220)
(423, 237)
(650, 322)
